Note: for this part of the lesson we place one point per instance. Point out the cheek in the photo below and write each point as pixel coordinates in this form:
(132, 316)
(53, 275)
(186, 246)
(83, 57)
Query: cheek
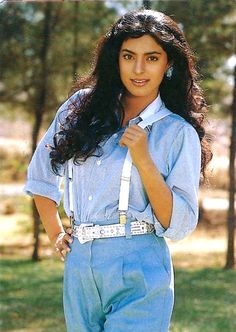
(124, 71)
(159, 72)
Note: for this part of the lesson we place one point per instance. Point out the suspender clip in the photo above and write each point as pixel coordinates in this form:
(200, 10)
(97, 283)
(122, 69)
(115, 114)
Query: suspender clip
(123, 217)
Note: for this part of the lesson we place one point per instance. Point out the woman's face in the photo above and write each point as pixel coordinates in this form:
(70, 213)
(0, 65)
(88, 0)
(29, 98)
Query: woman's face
(142, 64)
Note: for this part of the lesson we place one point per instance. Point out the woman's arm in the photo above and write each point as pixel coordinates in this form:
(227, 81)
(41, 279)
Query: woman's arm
(174, 200)
(135, 138)
(51, 221)
(155, 186)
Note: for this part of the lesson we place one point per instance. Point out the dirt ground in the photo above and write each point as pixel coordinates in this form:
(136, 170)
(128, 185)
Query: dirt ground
(204, 248)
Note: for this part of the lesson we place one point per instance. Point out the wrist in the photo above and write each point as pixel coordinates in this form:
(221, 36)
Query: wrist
(54, 238)
(145, 164)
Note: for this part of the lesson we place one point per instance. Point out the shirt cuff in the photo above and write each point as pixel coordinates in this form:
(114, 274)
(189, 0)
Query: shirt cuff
(180, 223)
(43, 189)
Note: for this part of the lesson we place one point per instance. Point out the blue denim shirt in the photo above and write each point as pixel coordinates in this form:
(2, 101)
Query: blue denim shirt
(175, 149)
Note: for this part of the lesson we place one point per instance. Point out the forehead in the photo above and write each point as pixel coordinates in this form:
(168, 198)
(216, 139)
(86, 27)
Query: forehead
(145, 44)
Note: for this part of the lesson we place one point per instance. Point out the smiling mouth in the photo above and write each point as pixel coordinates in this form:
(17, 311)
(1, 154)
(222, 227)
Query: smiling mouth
(139, 82)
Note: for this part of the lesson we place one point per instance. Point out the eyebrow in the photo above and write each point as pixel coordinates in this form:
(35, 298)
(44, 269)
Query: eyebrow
(147, 53)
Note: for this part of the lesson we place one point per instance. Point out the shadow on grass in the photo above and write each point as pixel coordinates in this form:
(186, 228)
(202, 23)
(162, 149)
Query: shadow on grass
(31, 298)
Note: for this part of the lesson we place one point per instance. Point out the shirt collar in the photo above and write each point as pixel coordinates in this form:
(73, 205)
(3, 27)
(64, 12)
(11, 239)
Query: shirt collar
(148, 111)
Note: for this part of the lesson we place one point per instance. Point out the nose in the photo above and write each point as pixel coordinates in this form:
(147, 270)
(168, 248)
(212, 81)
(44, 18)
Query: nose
(139, 66)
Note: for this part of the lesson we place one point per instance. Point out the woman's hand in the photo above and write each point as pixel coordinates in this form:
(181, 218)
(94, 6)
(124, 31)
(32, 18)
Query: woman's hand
(135, 139)
(62, 244)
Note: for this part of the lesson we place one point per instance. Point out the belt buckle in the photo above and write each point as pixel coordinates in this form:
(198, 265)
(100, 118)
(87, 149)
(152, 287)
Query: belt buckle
(80, 233)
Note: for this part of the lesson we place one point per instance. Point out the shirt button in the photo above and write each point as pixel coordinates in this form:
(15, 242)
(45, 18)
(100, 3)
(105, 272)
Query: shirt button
(115, 135)
(90, 197)
(99, 162)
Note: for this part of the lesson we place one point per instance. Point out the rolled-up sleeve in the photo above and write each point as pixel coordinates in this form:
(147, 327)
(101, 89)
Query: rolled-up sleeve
(184, 162)
(41, 180)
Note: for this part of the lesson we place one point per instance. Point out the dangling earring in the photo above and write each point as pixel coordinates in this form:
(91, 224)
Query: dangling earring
(169, 72)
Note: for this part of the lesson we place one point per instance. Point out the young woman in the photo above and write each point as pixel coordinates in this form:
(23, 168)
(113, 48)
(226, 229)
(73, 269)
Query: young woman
(130, 144)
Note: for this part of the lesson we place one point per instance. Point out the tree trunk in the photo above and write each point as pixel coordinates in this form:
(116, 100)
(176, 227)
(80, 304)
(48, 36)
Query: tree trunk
(75, 41)
(35, 254)
(40, 102)
(147, 4)
(230, 259)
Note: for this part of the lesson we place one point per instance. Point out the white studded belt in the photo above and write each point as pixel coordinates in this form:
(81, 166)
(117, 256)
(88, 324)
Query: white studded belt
(89, 232)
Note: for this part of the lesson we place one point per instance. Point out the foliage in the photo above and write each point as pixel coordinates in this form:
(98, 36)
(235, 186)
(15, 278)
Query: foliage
(209, 27)
(31, 298)
(21, 38)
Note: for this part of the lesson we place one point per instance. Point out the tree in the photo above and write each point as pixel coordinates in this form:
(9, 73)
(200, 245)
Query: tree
(204, 24)
(39, 48)
(75, 59)
(230, 258)
(40, 100)
(147, 4)
(210, 29)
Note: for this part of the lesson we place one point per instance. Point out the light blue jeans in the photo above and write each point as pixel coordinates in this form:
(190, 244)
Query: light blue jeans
(119, 285)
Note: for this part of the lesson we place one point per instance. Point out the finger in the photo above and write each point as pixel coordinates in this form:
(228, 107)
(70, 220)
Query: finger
(64, 246)
(131, 135)
(125, 141)
(69, 230)
(135, 133)
(68, 238)
(61, 245)
(135, 128)
(60, 254)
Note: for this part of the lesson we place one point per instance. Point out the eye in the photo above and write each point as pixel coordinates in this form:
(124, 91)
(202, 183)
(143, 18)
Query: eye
(127, 56)
(152, 58)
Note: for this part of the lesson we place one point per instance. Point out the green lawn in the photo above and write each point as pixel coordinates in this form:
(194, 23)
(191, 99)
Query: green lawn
(31, 298)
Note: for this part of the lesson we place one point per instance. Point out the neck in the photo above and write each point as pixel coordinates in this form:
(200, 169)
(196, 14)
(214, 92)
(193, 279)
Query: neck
(133, 105)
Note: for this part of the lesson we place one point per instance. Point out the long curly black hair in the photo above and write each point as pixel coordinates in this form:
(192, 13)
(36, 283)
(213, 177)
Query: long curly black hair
(100, 112)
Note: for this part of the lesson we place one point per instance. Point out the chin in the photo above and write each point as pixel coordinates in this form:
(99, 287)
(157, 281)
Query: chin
(141, 91)
(136, 93)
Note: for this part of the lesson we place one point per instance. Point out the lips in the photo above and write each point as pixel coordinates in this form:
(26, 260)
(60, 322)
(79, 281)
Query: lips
(139, 82)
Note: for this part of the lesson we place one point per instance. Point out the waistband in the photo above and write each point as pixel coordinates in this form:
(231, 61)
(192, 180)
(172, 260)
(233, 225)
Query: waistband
(103, 222)
(87, 232)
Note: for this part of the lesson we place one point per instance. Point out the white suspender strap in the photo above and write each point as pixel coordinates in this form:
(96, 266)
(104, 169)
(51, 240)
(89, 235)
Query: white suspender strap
(71, 200)
(126, 171)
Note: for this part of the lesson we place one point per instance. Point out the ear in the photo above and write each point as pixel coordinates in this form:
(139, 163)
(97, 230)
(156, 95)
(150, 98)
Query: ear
(169, 64)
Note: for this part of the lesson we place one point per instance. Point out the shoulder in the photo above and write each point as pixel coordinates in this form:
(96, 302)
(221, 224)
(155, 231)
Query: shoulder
(71, 103)
(184, 137)
(175, 126)
(75, 98)
(78, 95)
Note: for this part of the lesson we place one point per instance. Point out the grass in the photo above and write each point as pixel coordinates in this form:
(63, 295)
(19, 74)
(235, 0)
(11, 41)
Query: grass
(31, 293)
(205, 301)
(31, 298)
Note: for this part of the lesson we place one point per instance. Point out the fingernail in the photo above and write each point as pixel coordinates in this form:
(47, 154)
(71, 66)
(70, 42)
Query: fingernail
(70, 241)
